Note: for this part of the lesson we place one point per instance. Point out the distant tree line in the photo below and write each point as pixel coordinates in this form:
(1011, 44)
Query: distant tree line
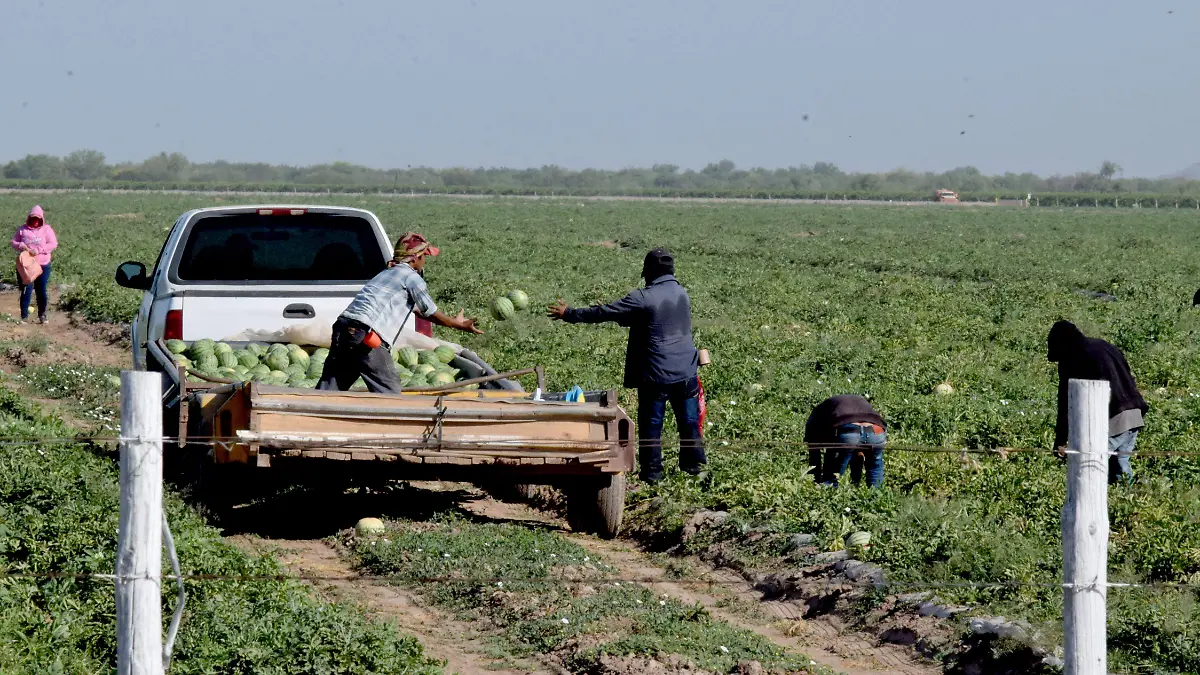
(723, 177)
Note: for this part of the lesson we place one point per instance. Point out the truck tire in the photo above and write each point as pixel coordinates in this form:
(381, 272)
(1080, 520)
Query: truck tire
(525, 491)
(597, 506)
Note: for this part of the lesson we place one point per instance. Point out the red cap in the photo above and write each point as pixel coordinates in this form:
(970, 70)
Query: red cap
(412, 245)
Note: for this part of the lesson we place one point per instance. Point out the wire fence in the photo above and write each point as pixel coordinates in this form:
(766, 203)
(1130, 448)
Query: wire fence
(709, 444)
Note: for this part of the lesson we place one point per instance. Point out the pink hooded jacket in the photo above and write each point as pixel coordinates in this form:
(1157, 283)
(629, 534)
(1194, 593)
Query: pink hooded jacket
(40, 239)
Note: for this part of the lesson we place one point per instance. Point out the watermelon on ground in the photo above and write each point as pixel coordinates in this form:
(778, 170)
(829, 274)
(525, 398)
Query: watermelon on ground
(177, 346)
(502, 309)
(519, 300)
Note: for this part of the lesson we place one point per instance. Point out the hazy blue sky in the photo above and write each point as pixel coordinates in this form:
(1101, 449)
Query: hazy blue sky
(1055, 86)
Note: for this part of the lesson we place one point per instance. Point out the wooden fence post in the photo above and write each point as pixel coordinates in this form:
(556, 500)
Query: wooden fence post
(1085, 529)
(139, 537)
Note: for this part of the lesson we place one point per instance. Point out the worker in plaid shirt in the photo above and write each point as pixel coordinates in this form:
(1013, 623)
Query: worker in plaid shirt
(362, 335)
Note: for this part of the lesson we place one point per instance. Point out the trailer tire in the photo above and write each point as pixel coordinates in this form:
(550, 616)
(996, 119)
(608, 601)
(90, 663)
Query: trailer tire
(597, 506)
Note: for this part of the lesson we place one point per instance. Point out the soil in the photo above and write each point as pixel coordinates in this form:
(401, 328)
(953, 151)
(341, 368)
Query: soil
(458, 643)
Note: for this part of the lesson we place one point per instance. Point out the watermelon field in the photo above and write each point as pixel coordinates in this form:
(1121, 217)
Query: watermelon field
(797, 303)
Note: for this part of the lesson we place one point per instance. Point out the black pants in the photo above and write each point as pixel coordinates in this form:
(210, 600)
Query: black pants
(684, 398)
(350, 359)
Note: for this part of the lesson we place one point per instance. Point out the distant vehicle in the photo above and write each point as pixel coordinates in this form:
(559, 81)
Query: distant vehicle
(948, 196)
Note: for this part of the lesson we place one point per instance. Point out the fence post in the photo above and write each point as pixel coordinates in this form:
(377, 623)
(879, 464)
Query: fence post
(139, 537)
(1085, 529)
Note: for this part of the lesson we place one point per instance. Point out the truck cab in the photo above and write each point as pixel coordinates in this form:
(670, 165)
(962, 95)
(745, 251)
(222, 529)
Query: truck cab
(229, 273)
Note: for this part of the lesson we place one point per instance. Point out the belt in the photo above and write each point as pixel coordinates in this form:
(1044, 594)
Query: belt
(358, 325)
(866, 425)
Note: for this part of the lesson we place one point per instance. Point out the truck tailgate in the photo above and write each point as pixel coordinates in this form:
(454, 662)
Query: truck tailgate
(221, 316)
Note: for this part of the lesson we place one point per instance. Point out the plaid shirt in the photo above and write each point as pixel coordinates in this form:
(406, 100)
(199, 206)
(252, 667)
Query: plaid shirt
(384, 302)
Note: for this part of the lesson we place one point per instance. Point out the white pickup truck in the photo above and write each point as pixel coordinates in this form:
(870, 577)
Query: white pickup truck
(244, 274)
(231, 272)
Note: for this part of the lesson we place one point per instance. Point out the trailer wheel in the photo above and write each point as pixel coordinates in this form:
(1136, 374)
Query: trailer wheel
(597, 506)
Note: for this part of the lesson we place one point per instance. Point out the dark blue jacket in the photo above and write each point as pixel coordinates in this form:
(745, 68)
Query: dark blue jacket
(659, 319)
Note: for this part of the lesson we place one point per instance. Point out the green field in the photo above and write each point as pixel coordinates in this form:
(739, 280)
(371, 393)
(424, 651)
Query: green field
(798, 303)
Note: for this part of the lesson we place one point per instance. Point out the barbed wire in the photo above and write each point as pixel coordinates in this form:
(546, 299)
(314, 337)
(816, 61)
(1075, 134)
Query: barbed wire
(709, 444)
(499, 580)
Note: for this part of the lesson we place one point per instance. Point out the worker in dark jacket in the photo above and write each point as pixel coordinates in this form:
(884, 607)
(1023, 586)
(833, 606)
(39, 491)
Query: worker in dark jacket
(1083, 358)
(660, 361)
(841, 427)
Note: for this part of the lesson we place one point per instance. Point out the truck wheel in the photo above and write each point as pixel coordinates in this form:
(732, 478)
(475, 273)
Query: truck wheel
(597, 506)
(525, 491)
(222, 487)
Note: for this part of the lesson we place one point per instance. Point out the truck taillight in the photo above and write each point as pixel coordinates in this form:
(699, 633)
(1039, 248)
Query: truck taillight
(174, 327)
(424, 327)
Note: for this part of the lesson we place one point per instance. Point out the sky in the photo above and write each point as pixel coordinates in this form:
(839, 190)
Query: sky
(1048, 87)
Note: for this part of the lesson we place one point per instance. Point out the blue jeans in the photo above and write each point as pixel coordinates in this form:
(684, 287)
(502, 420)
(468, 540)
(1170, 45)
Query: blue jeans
(869, 443)
(684, 398)
(1119, 468)
(39, 286)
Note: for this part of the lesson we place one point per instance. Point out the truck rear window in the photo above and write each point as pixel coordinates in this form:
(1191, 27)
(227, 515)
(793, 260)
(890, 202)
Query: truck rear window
(285, 248)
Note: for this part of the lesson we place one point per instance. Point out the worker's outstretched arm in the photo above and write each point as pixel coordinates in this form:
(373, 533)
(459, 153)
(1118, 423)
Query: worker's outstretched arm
(460, 322)
(622, 311)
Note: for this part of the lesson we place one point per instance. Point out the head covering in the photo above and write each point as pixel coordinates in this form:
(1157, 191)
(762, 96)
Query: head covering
(658, 262)
(1064, 338)
(36, 212)
(411, 246)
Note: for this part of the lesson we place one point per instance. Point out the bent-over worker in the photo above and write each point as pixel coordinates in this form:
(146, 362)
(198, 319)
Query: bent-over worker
(841, 427)
(661, 361)
(361, 344)
(1083, 358)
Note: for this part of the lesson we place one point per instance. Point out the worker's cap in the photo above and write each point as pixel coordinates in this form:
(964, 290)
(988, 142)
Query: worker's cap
(658, 262)
(412, 245)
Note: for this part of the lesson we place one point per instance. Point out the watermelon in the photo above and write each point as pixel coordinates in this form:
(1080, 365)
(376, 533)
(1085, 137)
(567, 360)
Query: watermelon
(182, 360)
(321, 354)
(299, 357)
(424, 369)
(260, 370)
(369, 527)
(227, 360)
(858, 540)
(200, 348)
(417, 380)
(207, 362)
(408, 357)
(428, 356)
(519, 300)
(359, 383)
(444, 354)
(277, 360)
(296, 381)
(257, 349)
(440, 379)
(277, 348)
(403, 373)
(502, 309)
(227, 373)
(177, 346)
(296, 370)
(246, 358)
(315, 368)
(222, 348)
(311, 383)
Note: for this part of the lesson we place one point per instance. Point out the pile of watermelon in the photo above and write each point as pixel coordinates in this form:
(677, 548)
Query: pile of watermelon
(291, 365)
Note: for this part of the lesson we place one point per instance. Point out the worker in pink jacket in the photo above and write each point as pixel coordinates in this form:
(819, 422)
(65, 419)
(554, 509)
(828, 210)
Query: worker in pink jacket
(37, 237)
